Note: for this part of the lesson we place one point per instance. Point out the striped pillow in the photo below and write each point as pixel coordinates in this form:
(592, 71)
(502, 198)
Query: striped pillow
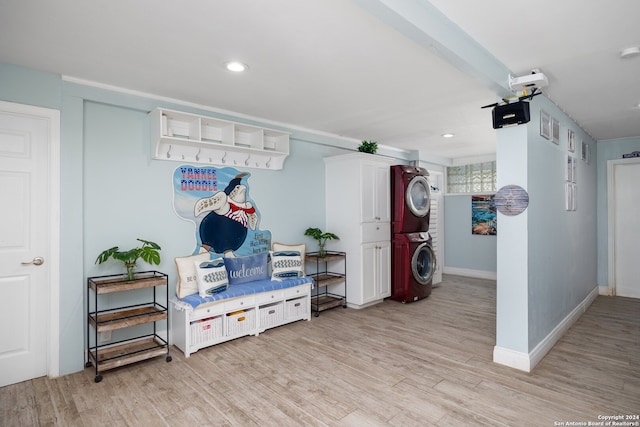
(212, 277)
(286, 264)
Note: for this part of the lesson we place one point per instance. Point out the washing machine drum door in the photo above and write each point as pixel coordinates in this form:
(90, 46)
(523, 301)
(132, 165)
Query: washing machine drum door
(423, 264)
(418, 196)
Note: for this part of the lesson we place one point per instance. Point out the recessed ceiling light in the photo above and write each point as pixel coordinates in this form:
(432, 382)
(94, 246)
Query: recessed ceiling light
(236, 67)
(447, 135)
(630, 52)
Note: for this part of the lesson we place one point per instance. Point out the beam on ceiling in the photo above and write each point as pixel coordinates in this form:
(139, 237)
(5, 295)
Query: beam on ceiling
(422, 22)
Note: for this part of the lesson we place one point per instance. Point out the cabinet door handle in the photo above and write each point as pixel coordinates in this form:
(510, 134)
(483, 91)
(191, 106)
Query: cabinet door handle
(36, 261)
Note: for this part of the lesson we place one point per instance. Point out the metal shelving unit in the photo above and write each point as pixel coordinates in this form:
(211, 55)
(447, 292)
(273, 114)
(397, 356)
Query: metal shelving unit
(327, 295)
(131, 350)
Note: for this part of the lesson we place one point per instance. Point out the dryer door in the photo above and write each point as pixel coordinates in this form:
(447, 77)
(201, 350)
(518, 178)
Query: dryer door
(418, 196)
(423, 264)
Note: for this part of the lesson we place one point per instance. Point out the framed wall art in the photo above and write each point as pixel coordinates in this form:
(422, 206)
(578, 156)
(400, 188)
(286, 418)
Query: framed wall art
(570, 174)
(585, 153)
(571, 190)
(483, 215)
(545, 125)
(555, 130)
(571, 141)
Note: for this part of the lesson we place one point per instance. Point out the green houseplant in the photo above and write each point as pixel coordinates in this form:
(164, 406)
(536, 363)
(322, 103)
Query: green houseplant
(321, 237)
(148, 251)
(368, 147)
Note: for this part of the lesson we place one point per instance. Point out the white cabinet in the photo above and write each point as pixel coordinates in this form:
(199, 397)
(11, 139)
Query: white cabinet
(357, 191)
(375, 193)
(376, 272)
(199, 139)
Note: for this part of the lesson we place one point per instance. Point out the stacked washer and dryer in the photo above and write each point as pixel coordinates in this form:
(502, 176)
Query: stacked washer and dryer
(413, 260)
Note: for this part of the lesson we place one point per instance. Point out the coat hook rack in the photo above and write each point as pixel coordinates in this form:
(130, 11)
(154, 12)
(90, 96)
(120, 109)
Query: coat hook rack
(182, 136)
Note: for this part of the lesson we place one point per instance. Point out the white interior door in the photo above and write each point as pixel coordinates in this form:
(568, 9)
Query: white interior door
(625, 202)
(25, 236)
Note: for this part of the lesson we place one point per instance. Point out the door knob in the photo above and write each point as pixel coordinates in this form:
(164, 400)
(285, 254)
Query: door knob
(36, 261)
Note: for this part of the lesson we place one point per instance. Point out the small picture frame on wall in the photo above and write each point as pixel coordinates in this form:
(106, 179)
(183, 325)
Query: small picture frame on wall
(555, 130)
(570, 192)
(570, 174)
(583, 151)
(587, 155)
(571, 141)
(545, 125)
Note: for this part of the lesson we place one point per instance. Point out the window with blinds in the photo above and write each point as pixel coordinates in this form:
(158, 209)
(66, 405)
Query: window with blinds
(474, 178)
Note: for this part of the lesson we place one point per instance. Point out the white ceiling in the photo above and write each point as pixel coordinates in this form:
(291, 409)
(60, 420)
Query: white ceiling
(338, 67)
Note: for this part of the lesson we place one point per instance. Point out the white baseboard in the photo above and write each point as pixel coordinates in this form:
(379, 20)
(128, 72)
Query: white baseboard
(478, 274)
(368, 304)
(550, 340)
(605, 290)
(526, 362)
(511, 358)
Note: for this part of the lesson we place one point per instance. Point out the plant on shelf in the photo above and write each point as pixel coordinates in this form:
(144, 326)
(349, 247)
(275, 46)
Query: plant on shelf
(148, 251)
(368, 147)
(322, 238)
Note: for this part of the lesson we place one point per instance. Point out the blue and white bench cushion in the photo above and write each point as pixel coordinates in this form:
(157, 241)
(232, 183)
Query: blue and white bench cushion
(190, 302)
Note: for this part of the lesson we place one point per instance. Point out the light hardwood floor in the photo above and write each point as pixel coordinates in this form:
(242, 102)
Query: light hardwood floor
(425, 363)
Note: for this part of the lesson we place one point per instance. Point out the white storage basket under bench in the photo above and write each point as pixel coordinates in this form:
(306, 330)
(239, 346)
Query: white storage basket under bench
(243, 309)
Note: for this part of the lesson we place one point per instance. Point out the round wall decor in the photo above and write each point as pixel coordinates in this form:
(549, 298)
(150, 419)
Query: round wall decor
(511, 200)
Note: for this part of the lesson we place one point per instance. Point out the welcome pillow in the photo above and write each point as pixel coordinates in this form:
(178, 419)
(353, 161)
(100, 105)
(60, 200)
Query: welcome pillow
(247, 269)
(286, 265)
(212, 277)
(187, 276)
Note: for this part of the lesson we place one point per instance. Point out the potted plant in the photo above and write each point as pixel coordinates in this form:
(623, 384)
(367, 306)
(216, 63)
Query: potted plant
(368, 147)
(148, 251)
(322, 238)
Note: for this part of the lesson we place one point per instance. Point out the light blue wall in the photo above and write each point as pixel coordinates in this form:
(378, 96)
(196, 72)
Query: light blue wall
(562, 244)
(25, 86)
(608, 150)
(512, 245)
(112, 192)
(558, 264)
(462, 249)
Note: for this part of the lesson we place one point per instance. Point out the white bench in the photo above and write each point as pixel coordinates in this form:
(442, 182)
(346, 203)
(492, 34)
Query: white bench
(247, 309)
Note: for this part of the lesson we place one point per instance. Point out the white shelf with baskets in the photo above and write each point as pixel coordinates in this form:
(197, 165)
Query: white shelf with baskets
(192, 138)
(252, 314)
